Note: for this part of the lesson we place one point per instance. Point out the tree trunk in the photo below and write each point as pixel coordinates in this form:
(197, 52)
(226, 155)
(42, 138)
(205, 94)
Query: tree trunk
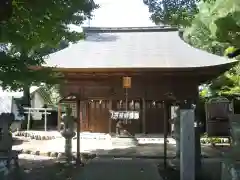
(26, 102)
(26, 96)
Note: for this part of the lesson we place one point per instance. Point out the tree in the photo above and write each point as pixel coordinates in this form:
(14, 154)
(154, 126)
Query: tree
(172, 12)
(33, 30)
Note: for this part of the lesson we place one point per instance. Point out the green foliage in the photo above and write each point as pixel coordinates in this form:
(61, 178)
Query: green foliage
(172, 12)
(34, 29)
(232, 52)
(54, 92)
(212, 25)
(225, 23)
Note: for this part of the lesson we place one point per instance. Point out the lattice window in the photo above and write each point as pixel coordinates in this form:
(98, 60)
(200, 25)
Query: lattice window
(137, 105)
(159, 105)
(84, 110)
(97, 104)
(73, 106)
(104, 104)
(92, 104)
(131, 105)
(153, 104)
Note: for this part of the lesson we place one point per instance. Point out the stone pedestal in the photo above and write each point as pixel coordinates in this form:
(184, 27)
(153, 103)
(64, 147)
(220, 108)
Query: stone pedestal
(68, 144)
(6, 143)
(231, 165)
(68, 133)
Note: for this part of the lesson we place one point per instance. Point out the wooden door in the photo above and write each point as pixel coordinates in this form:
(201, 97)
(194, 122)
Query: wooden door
(154, 117)
(84, 116)
(98, 115)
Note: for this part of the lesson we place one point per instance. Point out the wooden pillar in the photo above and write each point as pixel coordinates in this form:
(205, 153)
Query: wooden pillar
(78, 159)
(143, 116)
(45, 120)
(59, 116)
(109, 119)
(165, 133)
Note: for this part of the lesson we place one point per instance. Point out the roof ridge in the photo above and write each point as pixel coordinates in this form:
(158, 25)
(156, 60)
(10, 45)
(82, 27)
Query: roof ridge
(161, 28)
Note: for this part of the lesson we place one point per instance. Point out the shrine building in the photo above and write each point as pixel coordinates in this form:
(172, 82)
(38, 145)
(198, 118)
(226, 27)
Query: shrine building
(156, 61)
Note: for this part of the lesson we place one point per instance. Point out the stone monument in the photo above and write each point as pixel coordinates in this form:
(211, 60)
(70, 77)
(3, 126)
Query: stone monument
(231, 164)
(68, 132)
(6, 142)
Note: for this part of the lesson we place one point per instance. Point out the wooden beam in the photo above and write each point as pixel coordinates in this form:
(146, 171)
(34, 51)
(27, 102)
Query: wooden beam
(59, 116)
(109, 119)
(165, 133)
(143, 115)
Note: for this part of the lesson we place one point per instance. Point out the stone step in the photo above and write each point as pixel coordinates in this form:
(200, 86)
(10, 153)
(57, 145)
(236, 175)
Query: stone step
(126, 141)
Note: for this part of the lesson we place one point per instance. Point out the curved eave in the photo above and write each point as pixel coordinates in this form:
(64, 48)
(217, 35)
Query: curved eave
(201, 70)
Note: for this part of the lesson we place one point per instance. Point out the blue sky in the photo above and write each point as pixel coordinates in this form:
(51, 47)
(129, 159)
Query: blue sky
(120, 13)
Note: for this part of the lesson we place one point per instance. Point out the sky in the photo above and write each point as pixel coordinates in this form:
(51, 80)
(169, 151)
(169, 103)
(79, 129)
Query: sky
(119, 13)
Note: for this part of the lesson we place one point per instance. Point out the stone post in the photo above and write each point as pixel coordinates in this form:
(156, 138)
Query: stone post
(6, 143)
(231, 165)
(187, 144)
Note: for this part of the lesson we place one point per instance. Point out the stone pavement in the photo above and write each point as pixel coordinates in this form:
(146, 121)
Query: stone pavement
(120, 169)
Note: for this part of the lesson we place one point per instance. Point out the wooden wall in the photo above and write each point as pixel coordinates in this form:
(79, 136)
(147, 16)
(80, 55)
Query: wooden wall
(102, 94)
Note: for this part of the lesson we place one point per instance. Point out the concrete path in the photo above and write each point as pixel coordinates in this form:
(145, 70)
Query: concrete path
(120, 169)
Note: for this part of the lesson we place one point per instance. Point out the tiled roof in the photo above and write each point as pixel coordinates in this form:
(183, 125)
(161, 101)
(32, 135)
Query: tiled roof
(149, 47)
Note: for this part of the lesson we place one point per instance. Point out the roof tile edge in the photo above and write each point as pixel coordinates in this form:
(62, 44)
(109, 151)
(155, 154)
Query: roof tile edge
(128, 29)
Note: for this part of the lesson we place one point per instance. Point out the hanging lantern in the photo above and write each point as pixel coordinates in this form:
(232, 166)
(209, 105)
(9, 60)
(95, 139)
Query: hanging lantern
(127, 82)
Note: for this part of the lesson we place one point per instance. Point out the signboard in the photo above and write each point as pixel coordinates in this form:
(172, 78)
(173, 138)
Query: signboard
(127, 82)
(123, 115)
(217, 116)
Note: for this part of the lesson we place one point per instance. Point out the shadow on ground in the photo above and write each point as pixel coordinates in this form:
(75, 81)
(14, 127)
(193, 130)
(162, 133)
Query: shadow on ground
(45, 170)
(155, 151)
(50, 169)
(17, 141)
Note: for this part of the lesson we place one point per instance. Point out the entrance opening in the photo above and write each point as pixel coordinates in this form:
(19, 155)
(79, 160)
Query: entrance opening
(134, 125)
